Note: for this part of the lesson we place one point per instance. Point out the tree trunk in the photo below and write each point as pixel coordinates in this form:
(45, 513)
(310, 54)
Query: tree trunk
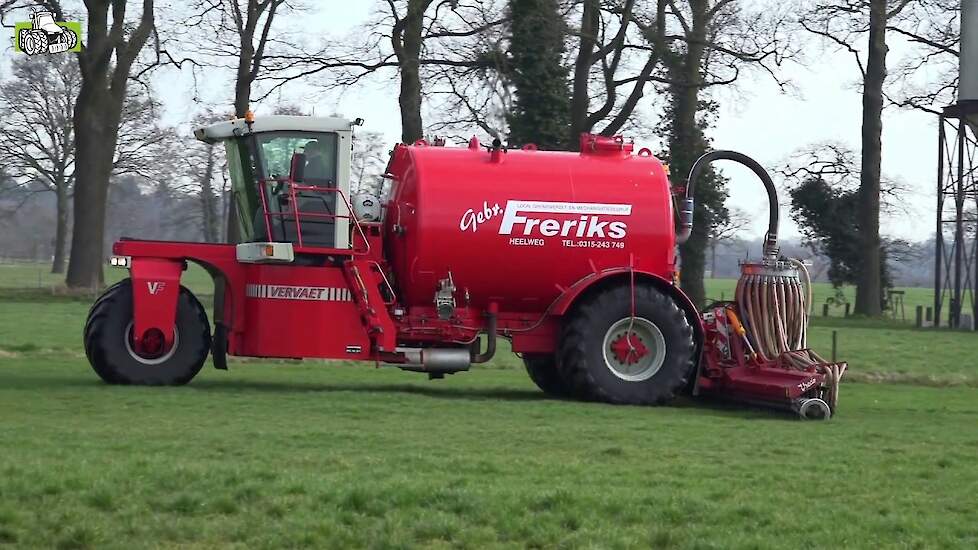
(242, 85)
(61, 227)
(580, 100)
(686, 145)
(208, 202)
(713, 259)
(96, 117)
(869, 286)
(242, 101)
(408, 48)
(96, 121)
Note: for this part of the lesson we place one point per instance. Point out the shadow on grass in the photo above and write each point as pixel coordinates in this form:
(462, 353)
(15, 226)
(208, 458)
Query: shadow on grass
(699, 406)
(243, 386)
(22, 381)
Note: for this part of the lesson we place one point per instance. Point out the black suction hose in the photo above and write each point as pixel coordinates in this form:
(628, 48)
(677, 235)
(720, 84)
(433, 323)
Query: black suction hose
(686, 214)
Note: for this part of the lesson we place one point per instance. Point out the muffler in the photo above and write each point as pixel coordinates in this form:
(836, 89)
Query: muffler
(435, 360)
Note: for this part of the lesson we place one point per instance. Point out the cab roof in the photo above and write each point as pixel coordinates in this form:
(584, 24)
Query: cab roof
(271, 123)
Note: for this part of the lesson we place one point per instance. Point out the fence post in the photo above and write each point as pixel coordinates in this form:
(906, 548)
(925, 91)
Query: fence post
(835, 343)
(847, 308)
(919, 321)
(825, 310)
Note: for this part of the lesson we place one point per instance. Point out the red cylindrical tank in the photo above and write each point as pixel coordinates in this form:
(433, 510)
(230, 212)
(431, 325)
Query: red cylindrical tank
(520, 226)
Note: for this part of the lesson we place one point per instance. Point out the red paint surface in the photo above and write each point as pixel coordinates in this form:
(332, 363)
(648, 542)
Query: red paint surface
(444, 206)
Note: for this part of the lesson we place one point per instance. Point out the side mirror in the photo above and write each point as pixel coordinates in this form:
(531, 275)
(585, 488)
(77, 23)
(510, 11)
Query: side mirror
(297, 171)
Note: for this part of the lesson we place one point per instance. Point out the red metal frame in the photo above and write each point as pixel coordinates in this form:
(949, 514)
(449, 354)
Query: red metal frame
(729, 370)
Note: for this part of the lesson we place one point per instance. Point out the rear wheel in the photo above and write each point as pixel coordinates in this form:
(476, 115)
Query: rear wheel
(70, 38)
(542, 369)
(109, 342)
(607, 354)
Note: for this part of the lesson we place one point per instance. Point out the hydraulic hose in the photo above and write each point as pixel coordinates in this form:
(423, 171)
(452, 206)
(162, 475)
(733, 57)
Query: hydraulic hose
(485, 356)
(774, 301)
(686, 213)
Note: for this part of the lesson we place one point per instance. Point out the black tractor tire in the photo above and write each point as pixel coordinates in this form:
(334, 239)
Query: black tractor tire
(542, 369)
(108, 293)
(593, 323)
(111, 356)
(36, 43)
(70, 38)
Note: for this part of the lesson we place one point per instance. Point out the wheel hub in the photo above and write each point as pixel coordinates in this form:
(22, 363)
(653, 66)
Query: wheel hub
(152, 343)
(629, 348)
(151, 349)
(634, 349)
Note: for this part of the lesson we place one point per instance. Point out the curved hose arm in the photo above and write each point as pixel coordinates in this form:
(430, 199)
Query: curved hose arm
(686, 210)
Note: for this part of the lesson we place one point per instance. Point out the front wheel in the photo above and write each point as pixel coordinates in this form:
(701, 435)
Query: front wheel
(109, 341)
(610, 353)
(34, 42)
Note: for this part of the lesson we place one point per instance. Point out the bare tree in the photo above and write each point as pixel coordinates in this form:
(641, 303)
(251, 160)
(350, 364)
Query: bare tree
(37, 141)
(611, 41)
(195, 176)
(703, 44)
(823, 183)
(927, 79)
(370, 156)
(241, 35)
(726, 231)
(843, 23)
(839, 166)
(435, 47)
(113, 44)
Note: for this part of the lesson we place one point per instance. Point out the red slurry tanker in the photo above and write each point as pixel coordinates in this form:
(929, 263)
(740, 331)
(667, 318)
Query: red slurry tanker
(569, 256)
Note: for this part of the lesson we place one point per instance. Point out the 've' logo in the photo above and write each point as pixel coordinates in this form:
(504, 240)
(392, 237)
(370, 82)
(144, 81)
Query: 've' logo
(155, 287)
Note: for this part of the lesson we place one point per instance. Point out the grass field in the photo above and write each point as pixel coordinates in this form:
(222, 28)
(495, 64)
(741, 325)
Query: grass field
(317, 456)
(324, 455)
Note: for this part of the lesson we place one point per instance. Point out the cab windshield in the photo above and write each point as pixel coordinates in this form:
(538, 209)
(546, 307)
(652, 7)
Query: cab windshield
(275, 150)
(256, 161)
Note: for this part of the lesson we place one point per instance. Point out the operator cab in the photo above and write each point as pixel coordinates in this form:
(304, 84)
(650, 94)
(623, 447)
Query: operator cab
(290, 177)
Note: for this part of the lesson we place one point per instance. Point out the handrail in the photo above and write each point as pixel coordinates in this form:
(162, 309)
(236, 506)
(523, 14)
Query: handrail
(297, 214)
(386, 282)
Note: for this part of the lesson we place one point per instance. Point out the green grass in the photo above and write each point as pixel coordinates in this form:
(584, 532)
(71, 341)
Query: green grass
(323, 456)
(35, 276)
(316, 454)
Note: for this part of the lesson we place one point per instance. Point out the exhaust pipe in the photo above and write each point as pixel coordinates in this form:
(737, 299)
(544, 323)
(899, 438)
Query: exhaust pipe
(449, 360)
(435, 360)
(491, 333)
